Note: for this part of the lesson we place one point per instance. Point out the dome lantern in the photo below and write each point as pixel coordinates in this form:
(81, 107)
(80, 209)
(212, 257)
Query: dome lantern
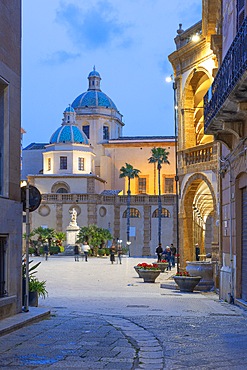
(94, 80)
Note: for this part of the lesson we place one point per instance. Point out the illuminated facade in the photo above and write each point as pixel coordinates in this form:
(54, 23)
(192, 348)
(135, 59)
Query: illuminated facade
(194, 64)
(225, 118)
(80, 167)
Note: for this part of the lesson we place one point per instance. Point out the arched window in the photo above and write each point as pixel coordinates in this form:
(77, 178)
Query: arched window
(134, 213)
(62, 190)
(164, 213)
(60, 187)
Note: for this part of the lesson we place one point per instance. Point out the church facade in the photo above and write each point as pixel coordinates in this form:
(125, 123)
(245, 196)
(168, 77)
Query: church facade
(80, 167)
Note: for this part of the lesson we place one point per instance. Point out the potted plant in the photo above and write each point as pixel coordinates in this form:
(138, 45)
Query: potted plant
(148, 271)
(163, 264)
(37, 289)
(185, 281)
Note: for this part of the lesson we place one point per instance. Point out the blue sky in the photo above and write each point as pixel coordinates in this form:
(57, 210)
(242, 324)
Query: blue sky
(127, 41)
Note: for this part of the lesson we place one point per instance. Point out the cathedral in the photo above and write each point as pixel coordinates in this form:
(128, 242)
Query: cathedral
(80, 166)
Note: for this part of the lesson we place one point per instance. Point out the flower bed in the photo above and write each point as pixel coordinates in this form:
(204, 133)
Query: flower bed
(148, 266)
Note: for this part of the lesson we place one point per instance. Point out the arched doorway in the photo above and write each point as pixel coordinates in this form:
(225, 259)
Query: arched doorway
(197, 218)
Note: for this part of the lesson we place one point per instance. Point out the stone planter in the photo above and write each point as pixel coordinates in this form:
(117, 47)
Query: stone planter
(137, 270)
(149, 276)
(187, 283)
(162, 265)
(203, 269)
(33, 299)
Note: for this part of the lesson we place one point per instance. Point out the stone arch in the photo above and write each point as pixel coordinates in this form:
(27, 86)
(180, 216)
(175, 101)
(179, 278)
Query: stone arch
(192, 129)
(60, 185)
(197, 217)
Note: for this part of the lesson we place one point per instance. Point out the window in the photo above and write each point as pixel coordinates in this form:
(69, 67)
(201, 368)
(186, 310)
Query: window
(61, 190)
(134, 213)
(105, 133)
(3, 243)
(241, 12)
(81, 164)
(142, 185)
(86, 130)
(164, 213)
(169, 182)
(3, 87)
(48, 164)
(63, 163)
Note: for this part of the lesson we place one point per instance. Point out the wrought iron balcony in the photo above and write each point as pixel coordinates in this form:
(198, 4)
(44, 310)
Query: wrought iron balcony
(221, 103)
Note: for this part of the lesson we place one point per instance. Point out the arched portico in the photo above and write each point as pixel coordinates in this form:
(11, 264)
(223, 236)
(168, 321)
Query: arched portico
(197, 217)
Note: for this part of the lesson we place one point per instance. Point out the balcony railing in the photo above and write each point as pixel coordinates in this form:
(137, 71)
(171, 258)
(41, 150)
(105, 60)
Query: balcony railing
(232, 68)
(203, 155)
(200, 155)
(106, 199)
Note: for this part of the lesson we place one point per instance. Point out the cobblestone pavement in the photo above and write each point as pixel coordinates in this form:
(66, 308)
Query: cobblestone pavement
(105, 317)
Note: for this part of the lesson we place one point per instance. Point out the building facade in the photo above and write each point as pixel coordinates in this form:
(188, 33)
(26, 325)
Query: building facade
(225, 118)
(80, 168)
(194, 65)
(10, 139)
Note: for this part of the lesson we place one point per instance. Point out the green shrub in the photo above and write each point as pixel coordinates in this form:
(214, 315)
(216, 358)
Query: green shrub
(101, 252)
(107, 251)
(54, 249)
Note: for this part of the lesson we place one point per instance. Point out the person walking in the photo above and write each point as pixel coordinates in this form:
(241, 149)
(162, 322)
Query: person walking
(119, 253)
(173, 254)
(159, 251)
(76, 253)
(167, 255)
(112, 253)
(85, 248)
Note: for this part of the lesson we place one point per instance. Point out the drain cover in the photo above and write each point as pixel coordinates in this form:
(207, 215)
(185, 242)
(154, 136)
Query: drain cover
(137, 306)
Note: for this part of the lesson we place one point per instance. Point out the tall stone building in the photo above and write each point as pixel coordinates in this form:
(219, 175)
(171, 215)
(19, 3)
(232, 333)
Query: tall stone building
(194, 65)
(10, 139)
(225, 118)
(80, 167)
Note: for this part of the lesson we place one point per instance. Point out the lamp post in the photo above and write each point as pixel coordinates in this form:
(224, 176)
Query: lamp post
(26, 297)
(174, 85)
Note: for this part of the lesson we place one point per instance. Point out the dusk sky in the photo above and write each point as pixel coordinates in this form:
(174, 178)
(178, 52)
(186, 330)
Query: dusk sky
(128, 41)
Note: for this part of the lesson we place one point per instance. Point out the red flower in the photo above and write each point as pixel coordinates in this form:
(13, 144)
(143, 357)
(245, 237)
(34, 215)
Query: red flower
(183, 273)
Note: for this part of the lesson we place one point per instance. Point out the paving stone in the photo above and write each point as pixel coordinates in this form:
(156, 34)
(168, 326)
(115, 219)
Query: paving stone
(105, 324)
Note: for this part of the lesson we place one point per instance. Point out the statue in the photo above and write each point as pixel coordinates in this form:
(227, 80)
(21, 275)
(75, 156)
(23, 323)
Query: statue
(73, 217)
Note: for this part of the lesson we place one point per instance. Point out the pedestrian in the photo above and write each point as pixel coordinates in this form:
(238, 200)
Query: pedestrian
(112, 253)
(173, 254)
(76, 253)
(197, 252)
(167, 255)
(46, 251)
(119, 253)
(159, 251)
(85, 248)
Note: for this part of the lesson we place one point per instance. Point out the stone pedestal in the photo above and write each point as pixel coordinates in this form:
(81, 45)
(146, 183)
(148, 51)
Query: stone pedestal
(71, 237)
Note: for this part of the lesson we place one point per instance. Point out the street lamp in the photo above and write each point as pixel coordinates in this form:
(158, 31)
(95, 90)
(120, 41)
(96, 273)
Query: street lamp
(174, 85)
(175, 107)
(26, 296)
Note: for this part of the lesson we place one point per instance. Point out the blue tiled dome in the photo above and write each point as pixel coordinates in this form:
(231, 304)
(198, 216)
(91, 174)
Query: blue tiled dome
(94, 73)
(69, 109)
(69, 134)
(93, 98)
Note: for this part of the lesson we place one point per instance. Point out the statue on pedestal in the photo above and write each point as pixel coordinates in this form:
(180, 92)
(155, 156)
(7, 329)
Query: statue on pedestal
(73, 217)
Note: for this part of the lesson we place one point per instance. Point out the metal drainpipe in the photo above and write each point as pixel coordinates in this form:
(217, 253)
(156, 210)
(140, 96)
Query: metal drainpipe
(231, 252)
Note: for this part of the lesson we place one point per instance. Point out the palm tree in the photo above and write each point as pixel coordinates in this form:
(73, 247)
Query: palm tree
(94, 236)
(159, 156)
(129, 172)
